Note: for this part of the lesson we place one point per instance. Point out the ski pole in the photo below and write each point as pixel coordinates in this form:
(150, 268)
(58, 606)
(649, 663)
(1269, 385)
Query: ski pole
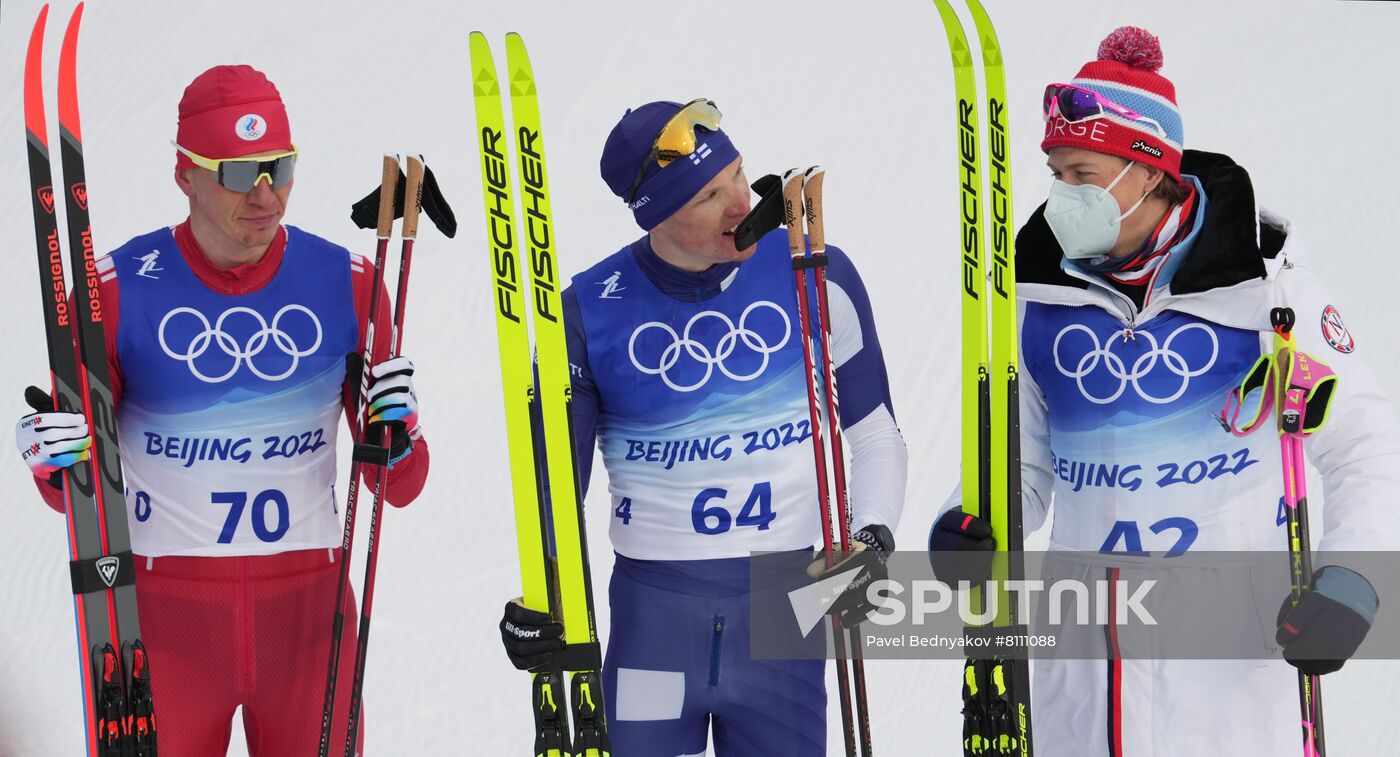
(816, 239)
(413, 200)
(793, 182)
(1293, 427)
(363, 452)
(1298, 390)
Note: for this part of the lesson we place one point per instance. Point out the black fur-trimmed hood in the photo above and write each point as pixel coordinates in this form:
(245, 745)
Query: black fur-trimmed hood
(1230, 249)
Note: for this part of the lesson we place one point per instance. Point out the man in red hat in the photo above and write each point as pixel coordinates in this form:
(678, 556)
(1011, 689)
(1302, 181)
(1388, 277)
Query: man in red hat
(227, 338)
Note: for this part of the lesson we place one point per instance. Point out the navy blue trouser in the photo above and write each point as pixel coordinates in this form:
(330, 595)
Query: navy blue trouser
(678, 663)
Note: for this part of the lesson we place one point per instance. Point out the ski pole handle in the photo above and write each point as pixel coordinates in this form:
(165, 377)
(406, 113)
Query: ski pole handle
(413, 204)
(413, 197)
(792, 213)
(812, 194)
(388, 184)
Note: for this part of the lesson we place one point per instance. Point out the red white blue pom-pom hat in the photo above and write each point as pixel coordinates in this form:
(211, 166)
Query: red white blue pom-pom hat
(1126, 73)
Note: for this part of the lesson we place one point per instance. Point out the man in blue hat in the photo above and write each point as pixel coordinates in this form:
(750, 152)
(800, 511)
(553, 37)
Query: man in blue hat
(688, 372)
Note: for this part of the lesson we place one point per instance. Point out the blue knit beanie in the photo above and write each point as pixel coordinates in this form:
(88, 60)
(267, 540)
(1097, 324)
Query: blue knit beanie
(663, 191)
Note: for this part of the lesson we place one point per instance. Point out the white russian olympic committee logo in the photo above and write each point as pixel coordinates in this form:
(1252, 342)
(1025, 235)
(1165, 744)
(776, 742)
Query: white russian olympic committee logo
(250, 127)
(675, 361)
(1102, 360)
(248, 351)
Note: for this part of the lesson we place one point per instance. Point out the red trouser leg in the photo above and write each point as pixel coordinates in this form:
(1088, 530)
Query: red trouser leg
(250, 631)
(189, 629)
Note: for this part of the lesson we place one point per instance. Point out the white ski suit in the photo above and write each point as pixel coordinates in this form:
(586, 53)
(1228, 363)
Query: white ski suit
(1120, 429)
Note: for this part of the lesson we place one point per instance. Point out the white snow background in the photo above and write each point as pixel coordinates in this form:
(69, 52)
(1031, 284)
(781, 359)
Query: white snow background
(1300, 93)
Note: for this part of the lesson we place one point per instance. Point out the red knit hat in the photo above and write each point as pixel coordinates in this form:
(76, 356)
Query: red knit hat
(1126, 73)
(231, 111)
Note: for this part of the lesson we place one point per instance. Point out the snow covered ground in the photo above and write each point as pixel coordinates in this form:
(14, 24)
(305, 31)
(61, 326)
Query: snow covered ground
(1302, 94)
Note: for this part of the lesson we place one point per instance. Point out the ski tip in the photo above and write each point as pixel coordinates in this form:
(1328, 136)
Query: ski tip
(40, 23)
(68, 77)
(34, 120)
(480, 51)
(70, 35)
(518, 58)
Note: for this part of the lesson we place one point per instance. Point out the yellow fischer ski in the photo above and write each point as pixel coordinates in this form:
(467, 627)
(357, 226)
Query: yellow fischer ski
(566, 590)
(996, 690)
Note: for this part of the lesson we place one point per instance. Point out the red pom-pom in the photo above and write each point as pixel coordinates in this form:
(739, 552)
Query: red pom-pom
(1136, 47)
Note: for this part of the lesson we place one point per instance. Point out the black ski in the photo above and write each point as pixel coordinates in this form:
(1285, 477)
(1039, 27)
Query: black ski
(118, 708)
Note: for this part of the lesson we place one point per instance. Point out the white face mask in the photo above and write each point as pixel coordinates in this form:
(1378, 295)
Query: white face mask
(1084, 218)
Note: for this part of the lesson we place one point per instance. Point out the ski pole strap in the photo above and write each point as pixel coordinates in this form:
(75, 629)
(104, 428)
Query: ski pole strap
(374, 454)
(575, 657)
(101, 573)
(364, 213)
(1306, 395)
(816, 261)
(765, 216)
(1252, 402)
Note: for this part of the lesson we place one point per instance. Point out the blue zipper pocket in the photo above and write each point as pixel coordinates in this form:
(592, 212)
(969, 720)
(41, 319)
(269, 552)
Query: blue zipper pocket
(715, 642)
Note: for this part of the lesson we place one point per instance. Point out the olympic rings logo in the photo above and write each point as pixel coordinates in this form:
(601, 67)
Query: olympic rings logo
(684, 343)
(1141, 367)
(215, 336)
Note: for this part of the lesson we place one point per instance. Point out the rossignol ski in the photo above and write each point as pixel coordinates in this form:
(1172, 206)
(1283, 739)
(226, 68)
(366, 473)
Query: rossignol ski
(802, 201)
(557, 582)
(118, 709)
(996, 690)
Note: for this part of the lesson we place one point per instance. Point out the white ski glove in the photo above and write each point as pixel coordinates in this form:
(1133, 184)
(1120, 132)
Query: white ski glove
(393, 402)
(49, 441)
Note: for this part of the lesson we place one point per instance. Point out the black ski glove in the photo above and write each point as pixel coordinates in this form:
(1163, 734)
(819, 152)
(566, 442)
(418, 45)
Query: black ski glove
(960, 548)
(870, 547)
(1329, 622)
(530, 637)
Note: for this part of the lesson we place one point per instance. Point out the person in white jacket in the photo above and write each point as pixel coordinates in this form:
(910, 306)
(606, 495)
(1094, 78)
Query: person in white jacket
(1147, 280)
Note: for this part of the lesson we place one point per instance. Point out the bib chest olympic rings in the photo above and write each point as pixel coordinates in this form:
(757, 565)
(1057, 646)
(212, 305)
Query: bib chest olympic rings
(1102, 354)
(216, 336)
(701, 353)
